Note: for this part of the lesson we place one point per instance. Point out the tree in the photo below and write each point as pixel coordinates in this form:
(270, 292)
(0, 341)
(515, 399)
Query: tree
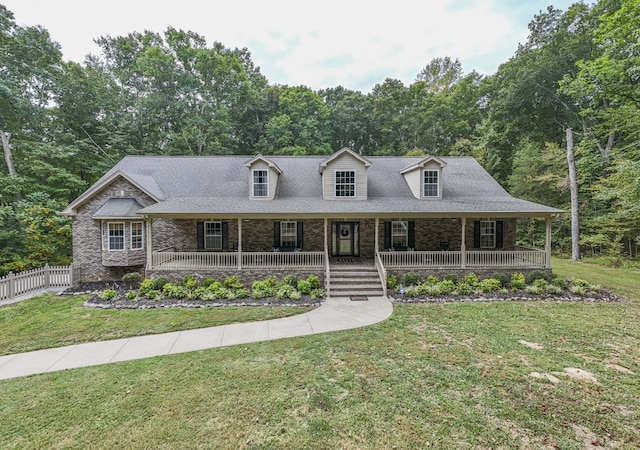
(441, 75)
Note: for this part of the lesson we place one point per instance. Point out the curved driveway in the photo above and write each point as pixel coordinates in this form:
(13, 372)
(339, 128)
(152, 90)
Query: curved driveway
(335, 314)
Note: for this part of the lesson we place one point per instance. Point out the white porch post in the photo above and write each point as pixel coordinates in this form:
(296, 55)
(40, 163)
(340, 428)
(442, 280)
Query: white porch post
(547, 245)
(239, 244)
(149, 243)
(326, 239)
(463, 245)
(377, 233)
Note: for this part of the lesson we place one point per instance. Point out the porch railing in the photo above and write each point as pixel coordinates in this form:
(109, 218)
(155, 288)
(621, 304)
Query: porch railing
(469, 259)
(382, 272)
(166, 260)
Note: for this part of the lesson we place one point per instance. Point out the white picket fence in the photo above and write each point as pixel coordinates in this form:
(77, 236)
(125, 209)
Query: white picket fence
(14, 285)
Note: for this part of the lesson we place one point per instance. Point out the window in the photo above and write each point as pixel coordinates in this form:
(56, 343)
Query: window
(288, 234)
(116, 235)
(399, 234)
(213, 235)
(260, 183)
(137, 236)
(345, 183)
(487, 234)
(430, 184)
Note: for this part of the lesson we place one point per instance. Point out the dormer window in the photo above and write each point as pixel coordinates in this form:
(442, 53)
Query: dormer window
(431, 183)
(345, 183)
(260, 183)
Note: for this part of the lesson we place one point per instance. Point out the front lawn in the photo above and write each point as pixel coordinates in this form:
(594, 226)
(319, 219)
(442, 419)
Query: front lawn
(528, 375)
(54, 321)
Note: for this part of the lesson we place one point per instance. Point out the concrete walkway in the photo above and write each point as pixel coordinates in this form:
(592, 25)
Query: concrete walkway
(335, 314)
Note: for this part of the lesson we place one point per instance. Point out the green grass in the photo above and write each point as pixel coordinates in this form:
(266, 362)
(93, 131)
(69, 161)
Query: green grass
(432, 376)
(54, 321)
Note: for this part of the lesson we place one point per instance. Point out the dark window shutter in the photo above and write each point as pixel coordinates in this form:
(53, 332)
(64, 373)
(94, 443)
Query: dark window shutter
(225, 236)
(476, 234)
(200, 235)
(499, 234)
(276, 234)
(387, 235)
(411, 235)
(299, 229)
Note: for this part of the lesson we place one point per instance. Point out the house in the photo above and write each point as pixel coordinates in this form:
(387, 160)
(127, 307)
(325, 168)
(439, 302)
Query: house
(256, 215)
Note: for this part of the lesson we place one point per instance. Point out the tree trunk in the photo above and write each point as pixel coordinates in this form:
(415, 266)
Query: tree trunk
(8, 156)
(573, 185)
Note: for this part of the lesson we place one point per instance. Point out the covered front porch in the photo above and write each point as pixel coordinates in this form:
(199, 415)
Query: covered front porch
(252, 244)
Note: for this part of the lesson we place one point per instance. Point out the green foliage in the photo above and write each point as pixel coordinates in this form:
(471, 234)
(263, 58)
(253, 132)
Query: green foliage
(158, 283)
(262, 289)
(189, 281)
(175, 291)
(233, 282)
(316, 293)
(392, 282)
(285, 290)
(291, 280)
(132, 279)
(463, 289)
(148, 284)
(242, 293)
(471, 279)
(518, 281)
(537, 275)
(502, 278)
(314, 281)
(431, 279)
(131, 295)
(411, 279)
(559, 282)
(304, 286)
(490, 285)
(453, 277)
(109, 294)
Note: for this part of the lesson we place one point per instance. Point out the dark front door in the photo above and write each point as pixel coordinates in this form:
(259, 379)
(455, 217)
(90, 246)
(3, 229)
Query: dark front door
(345, 239)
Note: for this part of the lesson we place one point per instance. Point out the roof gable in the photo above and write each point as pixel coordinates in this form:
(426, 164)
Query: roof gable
(339, 153)
(423, 163)
(267, 161)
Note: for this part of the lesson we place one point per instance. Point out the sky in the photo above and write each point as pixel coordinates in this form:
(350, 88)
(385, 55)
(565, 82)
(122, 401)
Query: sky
(319, 44)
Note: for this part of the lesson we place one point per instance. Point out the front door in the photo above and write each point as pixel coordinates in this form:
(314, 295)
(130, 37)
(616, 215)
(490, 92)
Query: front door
(345, 239)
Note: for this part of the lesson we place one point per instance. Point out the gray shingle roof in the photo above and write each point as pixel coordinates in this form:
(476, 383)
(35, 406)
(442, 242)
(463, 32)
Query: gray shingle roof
(220, 185)
(118, 208)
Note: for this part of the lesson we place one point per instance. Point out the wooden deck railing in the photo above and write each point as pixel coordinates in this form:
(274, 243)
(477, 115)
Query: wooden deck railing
(421, 259)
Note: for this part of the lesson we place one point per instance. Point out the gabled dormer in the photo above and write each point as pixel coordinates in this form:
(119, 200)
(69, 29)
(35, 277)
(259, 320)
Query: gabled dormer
(263, 178)
(425, 178)
(344, 176)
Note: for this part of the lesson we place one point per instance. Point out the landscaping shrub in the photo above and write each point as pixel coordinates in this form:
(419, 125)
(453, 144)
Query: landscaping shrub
(314, 281)
(411, 279)
(154, 294)
(452, 277)
(295, 295)
(158, 283)
(447, 287)
(471, 279)
(291, 280)
(316, 293)
(540, 284)
(553, 289)
(131, 295)
(559, 282)
(146, 285)
(262, 289)
(431, 279)
(242, 293)
(189, 281)
(580, 283)
(208, 282)
(432, 290)
(304, 287)
(502, 278)
(463, 289)
(172, 290)
(578, 290)
(285, 291)
(109, 294)
(392, 282)
(131, 279)
(517, 281)
(537, 275)
(490, 285)
(233, 282)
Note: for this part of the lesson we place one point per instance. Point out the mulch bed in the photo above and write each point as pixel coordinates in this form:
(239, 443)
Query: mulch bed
(567, 296)
(95, 288)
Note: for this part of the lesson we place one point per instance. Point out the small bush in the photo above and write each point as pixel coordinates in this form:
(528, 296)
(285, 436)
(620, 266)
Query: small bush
(411, 292)
(559, 282)
(261, 289)
(242, 293)
(172, 290)
(537, 275)
(200, 293)
(502, 278)
(109, 294)
(189, 281)
(463, 289)
(295, 295)
(447, 287)
(285, 291)
(271, 281)
(146, 285)
(132, 279)
(411, 279)
(452, 277)
(291, 280)
(534, 290)
(431, 290)
(392, 282)
(154, 294)
(304, 287)
(580, 283)
(553, 289)
(578, 290)
(316, 293)
(490, 285)
(541, 284)
(518, 281)
(314, 281)
(431, 279)
(131, 295)
(208, 282)
(233, 282)
(158, 283)
(471, 279)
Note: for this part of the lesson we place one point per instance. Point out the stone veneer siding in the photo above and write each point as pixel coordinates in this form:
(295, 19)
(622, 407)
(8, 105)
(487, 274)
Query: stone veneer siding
(88, 258)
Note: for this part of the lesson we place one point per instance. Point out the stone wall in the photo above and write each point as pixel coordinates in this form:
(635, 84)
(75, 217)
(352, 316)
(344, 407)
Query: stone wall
(87, 245)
